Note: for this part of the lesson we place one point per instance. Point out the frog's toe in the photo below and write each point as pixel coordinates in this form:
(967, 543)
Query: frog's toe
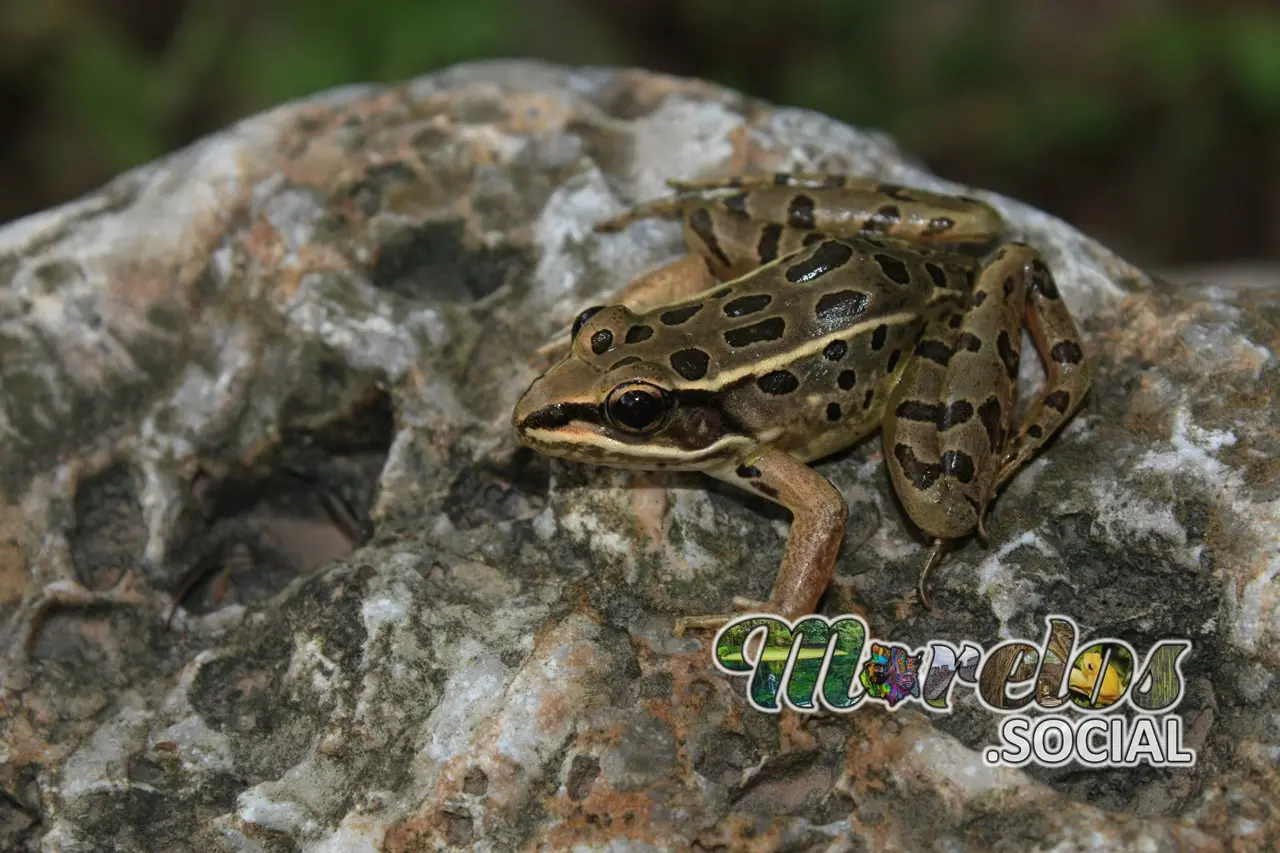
(708, 622)
(750, 605)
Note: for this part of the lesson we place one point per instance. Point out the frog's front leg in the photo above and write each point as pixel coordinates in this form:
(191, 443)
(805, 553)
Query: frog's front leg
(818, 512)
(947, 434)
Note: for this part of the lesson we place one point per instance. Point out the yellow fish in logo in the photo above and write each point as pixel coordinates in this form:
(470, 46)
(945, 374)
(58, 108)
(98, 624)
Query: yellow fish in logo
(1084, 678)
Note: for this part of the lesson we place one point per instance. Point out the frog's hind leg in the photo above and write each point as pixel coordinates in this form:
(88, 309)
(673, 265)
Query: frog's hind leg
(1067, 371)
(948, 431)
(948, 418)
(818, 512)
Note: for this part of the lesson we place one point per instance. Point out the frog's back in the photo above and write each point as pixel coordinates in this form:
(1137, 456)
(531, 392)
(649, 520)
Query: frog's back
(803, 347)
(834, 289)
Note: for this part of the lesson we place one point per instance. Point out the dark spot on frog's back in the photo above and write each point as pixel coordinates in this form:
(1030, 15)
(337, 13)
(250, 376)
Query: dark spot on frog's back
(676, 316)
(895, 269)
(800, 212)
(936, 273)
(830, 255)
(778, 382)
(1059, 401)
(639, 334)
(922, 475)
(736, 204)
(1067, 352)
(767, 248)
(878, 337)
(1042, 281)
(1010, 358)
(990, 413)
(690, 363)
(840, 305)
(958, 465)
(700, 223)
(434, 260)
(935, 351)
(766, 330)
(601, 341)
(747, 304)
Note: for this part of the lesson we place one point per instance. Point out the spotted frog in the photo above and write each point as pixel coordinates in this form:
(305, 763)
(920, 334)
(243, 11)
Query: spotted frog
(811, 311)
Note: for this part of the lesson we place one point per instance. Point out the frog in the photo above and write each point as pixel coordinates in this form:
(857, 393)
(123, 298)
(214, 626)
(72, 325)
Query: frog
(811, 311)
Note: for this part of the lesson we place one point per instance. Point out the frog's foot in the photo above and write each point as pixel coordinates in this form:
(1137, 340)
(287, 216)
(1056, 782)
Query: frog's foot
(922, 585)
(661, 208)
(716, 621)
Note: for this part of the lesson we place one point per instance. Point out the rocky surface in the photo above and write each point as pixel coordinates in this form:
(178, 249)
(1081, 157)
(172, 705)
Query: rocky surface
(222, 362)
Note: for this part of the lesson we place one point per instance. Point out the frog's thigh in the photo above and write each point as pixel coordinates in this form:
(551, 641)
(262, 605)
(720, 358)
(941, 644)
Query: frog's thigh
(948, 419)
(819, 512)
(1067, 372)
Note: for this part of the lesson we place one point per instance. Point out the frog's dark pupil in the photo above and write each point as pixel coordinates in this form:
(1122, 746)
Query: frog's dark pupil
(637, 409)
(583, 318)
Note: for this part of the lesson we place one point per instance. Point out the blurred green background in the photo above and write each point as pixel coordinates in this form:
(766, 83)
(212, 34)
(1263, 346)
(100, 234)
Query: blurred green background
(1153, 125)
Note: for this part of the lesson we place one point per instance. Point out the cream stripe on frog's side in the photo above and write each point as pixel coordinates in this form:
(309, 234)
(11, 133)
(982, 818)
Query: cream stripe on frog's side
(830, 321)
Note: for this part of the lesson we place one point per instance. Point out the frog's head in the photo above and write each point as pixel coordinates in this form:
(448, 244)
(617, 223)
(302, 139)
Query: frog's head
(617, 405)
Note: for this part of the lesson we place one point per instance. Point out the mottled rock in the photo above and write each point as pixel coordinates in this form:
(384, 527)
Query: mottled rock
(224, 359)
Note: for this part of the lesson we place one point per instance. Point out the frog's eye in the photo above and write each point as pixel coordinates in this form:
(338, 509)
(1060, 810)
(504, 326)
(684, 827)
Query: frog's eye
(638, 406)
(583, 318)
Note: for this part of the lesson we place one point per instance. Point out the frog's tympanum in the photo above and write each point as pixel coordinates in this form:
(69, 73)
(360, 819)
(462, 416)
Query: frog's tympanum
(813, 311)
